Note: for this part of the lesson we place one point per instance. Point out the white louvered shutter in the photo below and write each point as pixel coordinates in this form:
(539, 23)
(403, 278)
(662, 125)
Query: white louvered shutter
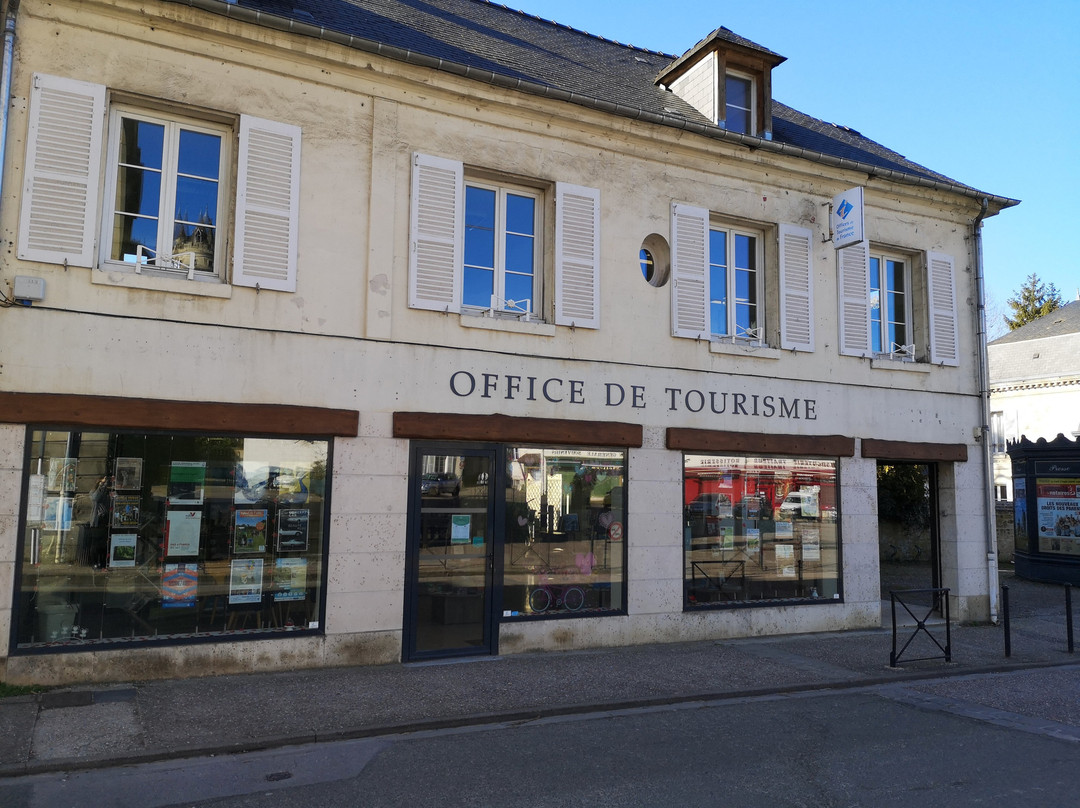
(854, 269)
(796, 288)
(577, 256)
(58, 219)
(689, 272)
(944, 348)
(436, 222)
(267, 205)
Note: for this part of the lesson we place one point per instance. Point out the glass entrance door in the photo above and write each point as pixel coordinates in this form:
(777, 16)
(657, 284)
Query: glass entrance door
(449, 561)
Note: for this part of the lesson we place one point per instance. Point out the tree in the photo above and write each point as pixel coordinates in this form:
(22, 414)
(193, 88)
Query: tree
(1034, 300)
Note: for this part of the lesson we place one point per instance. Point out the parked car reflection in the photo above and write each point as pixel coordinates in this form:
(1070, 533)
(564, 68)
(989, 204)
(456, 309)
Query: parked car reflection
(437, 483)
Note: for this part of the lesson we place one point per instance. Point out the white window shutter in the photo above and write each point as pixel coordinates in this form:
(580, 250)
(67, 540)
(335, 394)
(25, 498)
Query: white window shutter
(690, 272)
(854, 267)
(577, 256)
(944, 348)
(58, 219)
(796, 288)
(436, 233)
(267, 205)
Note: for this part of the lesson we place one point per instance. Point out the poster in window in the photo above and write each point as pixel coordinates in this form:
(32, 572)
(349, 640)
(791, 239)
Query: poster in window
(292, 532)
(187, 480)
(179, 584)
(125, 511)
(785, 560)
(182, 529)
(811, 547)
(62, 473)
(245, 580)
(249, 533)
(753, 541)
(1058, 504)
(1020, 520)
(290, 579)
(460, 524)
(727, 538)
(128, 474)
(57, 514)
(122, 550)
(35, 499)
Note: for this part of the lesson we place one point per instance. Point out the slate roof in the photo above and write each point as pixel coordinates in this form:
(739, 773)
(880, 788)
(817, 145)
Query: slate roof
(1062, 321)
(492, 42)
(1044, 349)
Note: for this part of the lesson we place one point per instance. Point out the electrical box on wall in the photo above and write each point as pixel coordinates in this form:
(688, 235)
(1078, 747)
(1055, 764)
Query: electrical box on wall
(28, 288)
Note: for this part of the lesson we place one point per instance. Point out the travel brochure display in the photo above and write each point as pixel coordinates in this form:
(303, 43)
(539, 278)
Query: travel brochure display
(125, 511)
(753, 541)
(292, 529)
(245, 580)
(57, 515)
(249, 535)
(785, 560)
(127, 474)
(290, 579)
(122, 550)
(187, 480)
(62, 473)
(182, 530)
(35, 498)
(179, 584)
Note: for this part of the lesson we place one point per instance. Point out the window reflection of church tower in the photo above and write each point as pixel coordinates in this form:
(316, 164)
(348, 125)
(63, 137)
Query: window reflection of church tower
(196, 239)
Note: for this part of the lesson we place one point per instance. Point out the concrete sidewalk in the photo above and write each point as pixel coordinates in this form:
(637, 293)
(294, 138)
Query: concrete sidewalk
(97, 726)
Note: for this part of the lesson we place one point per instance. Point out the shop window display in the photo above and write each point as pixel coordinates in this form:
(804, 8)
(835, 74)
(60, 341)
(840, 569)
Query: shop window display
(141, 537)
(759, 530)
(565, 532)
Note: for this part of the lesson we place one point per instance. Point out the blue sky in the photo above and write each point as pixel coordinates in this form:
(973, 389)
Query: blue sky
(984, 91)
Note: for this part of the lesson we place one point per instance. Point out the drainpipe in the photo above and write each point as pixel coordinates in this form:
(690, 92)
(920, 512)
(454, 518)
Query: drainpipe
(984, 394)
(5, 83)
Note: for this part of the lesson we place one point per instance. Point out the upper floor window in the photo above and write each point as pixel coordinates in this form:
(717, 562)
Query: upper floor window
(478, 246)
(890, 306)
(169, 206)
(997, 433)
(734, 284)
(502, 265)
(723, 285)
(165, 185)
(889, 310)
(739, 103)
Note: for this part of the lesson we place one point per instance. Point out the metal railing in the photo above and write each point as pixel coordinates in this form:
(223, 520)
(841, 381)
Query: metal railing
(938, 602)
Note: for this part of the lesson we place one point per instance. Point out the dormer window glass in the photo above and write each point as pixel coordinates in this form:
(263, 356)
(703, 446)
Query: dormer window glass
(739, 104)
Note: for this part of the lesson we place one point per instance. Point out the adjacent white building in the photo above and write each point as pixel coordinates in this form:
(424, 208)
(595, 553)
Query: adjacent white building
(1034, 386)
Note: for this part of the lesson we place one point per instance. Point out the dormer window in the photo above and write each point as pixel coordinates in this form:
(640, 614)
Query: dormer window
(739, 104)
(728, 79)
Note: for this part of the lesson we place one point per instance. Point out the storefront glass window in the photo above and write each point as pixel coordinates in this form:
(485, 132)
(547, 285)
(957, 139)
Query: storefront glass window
(565, 532)
(139, 537)
(759, 529)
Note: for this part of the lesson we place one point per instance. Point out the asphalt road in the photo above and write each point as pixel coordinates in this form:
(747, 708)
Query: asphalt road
(990, 739)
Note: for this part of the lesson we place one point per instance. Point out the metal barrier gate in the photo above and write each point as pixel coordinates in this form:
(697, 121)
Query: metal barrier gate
(939, 597)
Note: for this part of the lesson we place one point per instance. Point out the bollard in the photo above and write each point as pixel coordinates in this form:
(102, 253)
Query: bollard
(1068, 615)
(1005, 618)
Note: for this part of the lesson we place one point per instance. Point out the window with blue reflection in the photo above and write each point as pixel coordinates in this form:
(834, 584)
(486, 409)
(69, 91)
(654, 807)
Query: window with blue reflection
(500, 249)
(718, 283)
(738, 104)
(479, 276)
(733, 283)
(889, 304)
(167, 194)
